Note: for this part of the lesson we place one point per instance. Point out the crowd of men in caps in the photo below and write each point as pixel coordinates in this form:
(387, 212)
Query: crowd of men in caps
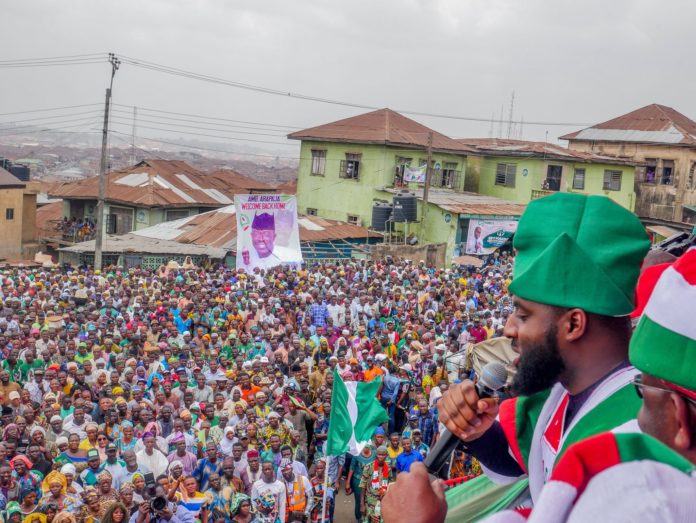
(211, 389)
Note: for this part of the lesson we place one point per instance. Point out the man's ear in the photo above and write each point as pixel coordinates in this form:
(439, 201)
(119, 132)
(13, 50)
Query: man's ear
(572, 324)
(684, 421)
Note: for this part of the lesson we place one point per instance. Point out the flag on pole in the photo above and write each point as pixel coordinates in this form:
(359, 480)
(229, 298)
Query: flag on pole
(355, 413)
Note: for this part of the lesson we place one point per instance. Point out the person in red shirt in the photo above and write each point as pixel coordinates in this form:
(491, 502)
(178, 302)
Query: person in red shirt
(478, 333)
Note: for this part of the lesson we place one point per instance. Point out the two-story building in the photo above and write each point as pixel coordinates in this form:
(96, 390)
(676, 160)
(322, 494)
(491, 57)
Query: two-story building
(17, 217)
(346, 165)
(521, 171)
(663, 142)
(148, 193)
(349, 165)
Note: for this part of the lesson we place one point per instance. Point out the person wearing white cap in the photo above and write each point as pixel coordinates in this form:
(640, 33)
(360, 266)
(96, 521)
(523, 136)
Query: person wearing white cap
(300, 499)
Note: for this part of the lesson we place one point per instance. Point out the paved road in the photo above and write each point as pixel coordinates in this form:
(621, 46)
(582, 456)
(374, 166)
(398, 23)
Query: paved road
(344, 508)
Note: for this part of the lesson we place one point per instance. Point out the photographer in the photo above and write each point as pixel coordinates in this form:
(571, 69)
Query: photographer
(159, 510)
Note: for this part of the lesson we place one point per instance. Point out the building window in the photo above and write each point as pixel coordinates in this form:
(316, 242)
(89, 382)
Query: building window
(449, 176)
(311, 211)
(505, 174)
(690, 181)
(353, 219)
(579, 179)
(176, 214)
(667, 177)
(350, 167)
(650, 170)
(400, 167)
(612, 180)
(9, 214)
(318, 162)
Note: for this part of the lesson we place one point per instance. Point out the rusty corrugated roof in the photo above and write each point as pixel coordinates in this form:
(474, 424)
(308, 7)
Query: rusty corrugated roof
(469, 203)
(383, 126)
(238, 183)
(509, 147)
(153, 183)
(219, 229)
(653, 123)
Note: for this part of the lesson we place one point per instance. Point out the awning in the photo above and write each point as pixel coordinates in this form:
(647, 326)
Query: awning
(691, 208)
(663, 230)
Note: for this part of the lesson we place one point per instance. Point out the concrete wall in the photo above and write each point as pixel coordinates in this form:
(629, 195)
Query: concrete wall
(336, 198)
(531, 173)
(19, 234)
(662, 202)
(11, 230)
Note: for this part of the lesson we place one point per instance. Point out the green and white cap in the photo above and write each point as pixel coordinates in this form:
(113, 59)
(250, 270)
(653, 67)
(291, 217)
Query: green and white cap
(579, 251)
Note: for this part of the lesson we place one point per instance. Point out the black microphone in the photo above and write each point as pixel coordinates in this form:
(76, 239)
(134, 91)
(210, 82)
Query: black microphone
(493, 378)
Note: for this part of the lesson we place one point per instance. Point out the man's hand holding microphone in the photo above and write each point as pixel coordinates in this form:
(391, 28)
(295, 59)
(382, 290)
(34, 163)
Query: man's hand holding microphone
(467, 410)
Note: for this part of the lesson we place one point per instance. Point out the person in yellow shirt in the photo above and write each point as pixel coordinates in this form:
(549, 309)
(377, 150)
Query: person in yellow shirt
(489, 328)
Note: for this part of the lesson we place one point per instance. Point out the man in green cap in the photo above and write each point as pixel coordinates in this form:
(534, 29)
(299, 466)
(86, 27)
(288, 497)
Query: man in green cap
(651, 475)
(578, 260)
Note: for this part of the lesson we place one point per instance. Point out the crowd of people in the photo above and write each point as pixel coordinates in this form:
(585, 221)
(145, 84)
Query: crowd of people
(77, 229)
(181, 395)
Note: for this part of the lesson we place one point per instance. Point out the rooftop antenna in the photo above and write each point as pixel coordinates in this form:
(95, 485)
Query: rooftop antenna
(133, 158)
(512, 108)
(500, 123)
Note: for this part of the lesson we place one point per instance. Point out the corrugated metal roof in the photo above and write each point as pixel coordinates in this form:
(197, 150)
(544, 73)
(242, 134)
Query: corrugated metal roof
(240, 184)
(218, 229)
(132, 243)
(509, 147)
(383, 126)
(153, 183)
(469, 203)
(653, 123)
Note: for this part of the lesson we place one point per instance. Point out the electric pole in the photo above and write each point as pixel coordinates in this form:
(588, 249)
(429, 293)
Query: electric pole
(99, 233)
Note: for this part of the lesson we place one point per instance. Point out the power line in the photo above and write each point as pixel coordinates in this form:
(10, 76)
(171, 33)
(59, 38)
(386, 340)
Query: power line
(204, 128)
(208, 117)
(49, 110)
(31, 126)
(46, 58)
(267, 90)
(40, 118)
(188, 146)
(208, 135)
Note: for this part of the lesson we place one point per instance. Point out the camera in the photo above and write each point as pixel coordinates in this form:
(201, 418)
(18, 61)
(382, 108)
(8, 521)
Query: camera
(158, 503)
(150, 484)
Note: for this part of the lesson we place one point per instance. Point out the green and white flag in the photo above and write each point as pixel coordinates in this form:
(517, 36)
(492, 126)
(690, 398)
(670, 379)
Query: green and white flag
(355, 413)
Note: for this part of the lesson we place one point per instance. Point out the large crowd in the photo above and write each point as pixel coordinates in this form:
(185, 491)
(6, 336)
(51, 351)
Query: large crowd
(180, 395)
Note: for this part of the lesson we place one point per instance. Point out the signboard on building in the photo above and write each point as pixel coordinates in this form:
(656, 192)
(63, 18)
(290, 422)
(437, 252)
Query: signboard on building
(267, 231)
(415, 174)
(485, 236)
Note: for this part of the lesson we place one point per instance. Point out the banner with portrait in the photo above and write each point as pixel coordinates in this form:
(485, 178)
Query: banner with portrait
(267, 231)
(485, 236)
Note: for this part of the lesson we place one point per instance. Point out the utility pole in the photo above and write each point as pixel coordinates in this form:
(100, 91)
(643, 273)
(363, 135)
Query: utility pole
(426, 187)
(510, 123)
(99, 233)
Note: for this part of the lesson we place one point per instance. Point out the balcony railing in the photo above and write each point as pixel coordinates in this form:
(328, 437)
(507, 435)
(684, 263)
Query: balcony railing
(540, 193)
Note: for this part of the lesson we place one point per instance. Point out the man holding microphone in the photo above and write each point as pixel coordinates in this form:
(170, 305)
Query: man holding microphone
(576, 268)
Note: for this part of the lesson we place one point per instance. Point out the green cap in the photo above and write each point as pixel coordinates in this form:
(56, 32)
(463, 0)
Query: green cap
(579, 251)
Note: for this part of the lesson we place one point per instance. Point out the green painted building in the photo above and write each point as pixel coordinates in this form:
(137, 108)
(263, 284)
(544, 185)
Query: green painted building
(345, 166)
(522, 171)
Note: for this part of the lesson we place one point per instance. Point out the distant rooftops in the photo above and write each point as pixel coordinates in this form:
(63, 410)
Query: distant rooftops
(653, 123)
(163, 183)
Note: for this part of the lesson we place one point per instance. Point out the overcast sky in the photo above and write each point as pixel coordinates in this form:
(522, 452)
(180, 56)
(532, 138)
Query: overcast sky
(567, 61)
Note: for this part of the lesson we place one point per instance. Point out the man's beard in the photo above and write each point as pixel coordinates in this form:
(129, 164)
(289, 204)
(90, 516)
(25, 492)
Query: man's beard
(540, 366)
